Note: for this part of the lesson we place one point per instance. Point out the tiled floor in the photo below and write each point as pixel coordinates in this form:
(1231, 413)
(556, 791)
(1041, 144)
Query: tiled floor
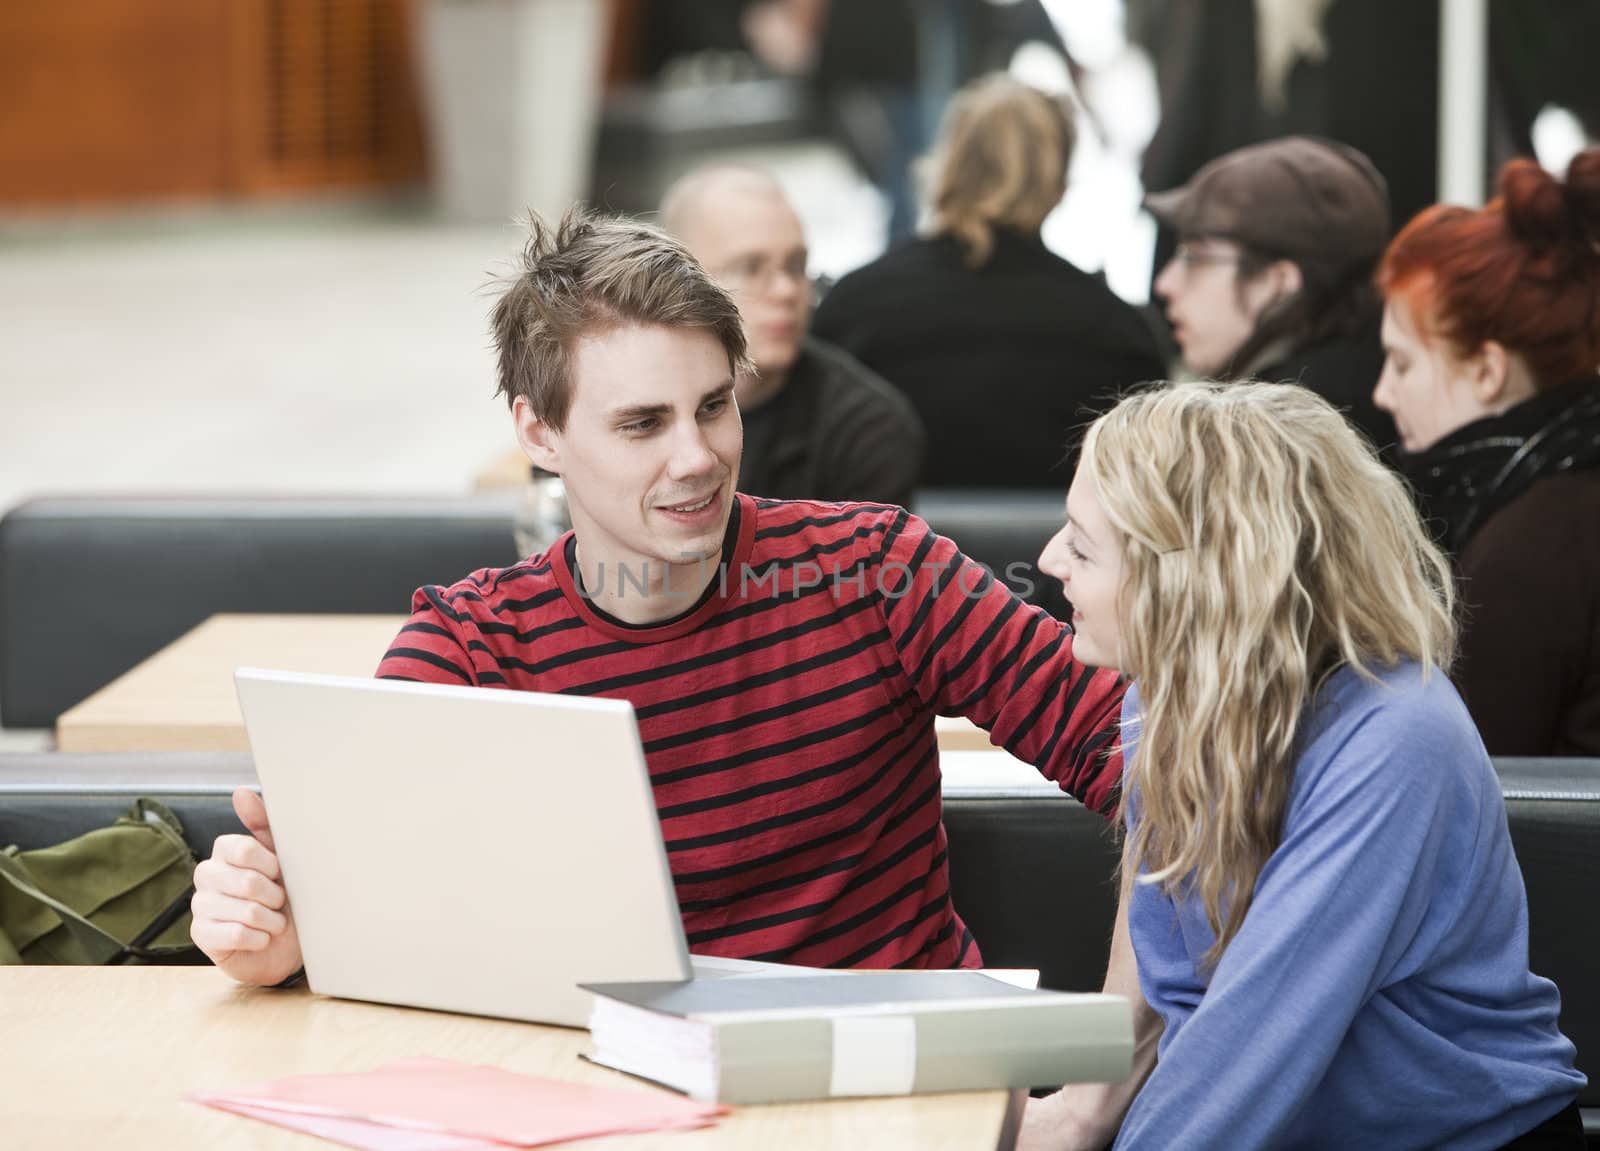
(312, 356)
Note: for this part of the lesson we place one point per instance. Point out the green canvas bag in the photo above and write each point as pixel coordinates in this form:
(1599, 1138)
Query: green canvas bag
(117, 894)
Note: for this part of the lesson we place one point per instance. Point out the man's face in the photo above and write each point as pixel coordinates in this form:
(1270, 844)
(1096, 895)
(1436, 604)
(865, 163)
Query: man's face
(1211, 317)
(650, 450)
(749, 239)
(1425, 386)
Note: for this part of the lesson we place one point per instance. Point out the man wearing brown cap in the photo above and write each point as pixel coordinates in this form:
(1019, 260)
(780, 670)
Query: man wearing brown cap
(1272, 278)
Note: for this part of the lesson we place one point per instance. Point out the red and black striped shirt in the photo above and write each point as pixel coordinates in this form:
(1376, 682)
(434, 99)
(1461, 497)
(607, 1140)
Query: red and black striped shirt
(787, 717)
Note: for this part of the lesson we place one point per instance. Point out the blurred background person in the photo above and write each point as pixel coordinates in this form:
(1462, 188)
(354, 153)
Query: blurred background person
(878, 74)
(1238, 72)
(885, 70)
(817, 423)
(1492, 329)
(1002, 346)
(1272, 276)
(1364, 72)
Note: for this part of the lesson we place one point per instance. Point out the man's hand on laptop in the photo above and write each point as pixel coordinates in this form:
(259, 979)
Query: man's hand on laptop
(241, 913)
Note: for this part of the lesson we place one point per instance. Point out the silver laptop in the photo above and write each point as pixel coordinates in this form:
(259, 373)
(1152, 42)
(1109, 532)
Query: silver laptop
(460, 848)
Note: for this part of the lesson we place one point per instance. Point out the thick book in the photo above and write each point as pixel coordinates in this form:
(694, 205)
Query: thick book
(819, 1036)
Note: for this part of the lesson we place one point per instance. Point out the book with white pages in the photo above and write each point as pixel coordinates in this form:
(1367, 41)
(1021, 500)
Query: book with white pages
(819, 1036)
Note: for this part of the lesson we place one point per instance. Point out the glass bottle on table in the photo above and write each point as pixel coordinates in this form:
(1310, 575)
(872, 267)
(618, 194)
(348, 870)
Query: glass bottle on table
(541, 515)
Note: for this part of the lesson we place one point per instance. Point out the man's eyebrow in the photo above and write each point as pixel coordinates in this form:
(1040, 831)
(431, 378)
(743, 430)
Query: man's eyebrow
(643, 411)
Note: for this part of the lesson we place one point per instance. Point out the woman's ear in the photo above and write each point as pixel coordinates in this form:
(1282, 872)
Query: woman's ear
(540, 443)
(1489, 371)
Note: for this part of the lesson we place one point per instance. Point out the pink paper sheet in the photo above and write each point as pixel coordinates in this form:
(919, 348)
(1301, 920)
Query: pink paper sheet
(436, 1097)
(356, 1132)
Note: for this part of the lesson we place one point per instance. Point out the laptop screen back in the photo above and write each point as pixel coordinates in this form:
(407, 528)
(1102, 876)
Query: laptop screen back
(463, 849)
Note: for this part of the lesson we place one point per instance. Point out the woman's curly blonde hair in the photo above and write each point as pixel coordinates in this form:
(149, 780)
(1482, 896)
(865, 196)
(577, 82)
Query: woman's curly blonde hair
(1264, 546)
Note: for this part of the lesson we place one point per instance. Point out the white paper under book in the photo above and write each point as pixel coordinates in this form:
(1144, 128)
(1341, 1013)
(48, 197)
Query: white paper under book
(874, 1033)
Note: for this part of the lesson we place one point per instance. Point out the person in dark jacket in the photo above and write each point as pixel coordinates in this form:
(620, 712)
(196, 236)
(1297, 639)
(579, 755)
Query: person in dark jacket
(817, 423)
(1492, 328)
(1005, 348)
(1272, 277)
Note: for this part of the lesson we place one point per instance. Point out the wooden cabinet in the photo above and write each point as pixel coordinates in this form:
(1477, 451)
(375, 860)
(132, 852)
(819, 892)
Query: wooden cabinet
(130, 100)
(324, 94)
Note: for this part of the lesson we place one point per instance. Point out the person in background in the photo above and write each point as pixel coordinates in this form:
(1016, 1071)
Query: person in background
(817, 423)
(1004, 347)
(883, 71)
(1322, 917)
(1272, 278)
(1492, 329)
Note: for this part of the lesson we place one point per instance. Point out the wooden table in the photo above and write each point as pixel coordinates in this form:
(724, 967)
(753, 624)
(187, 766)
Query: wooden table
(182, 698)
(100, 1057)
(958, 733)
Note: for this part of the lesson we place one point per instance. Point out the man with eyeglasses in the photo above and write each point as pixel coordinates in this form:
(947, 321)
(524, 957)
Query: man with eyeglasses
(1272, 278)
(818, 424)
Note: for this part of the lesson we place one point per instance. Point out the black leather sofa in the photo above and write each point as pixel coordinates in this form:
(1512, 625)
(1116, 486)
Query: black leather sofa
(1004, 530)
(1031, 870)
(89, 587)
(1554, 808)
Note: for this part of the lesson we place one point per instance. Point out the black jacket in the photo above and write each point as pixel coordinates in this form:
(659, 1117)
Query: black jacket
(1004, 363)
(1516, 499)
(1343, 370)
(835, 431)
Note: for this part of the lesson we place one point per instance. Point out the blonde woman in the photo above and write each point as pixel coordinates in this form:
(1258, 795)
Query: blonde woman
(1321, 904)
(1000, 344)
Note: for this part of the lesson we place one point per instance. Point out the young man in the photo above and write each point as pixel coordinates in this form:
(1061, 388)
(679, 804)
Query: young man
(818, 424)
(1272, 278)
(785, 659)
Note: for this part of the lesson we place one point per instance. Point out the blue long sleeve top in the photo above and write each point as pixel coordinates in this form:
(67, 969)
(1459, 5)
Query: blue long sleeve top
(1378, 991)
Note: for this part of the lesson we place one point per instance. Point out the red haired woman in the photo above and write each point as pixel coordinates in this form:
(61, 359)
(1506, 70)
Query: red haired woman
(1492, 331)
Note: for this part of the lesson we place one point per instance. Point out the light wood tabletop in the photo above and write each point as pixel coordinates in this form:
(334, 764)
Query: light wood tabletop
(958, 733)
(101, 1057)
(182, 697)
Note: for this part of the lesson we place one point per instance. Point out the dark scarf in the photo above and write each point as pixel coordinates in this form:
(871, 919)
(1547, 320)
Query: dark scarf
(1476, 470)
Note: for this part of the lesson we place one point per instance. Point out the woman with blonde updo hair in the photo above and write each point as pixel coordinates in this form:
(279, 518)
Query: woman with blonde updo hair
(1492, 329)
(1321, 903)
(1001, 162)
(1002, 346)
